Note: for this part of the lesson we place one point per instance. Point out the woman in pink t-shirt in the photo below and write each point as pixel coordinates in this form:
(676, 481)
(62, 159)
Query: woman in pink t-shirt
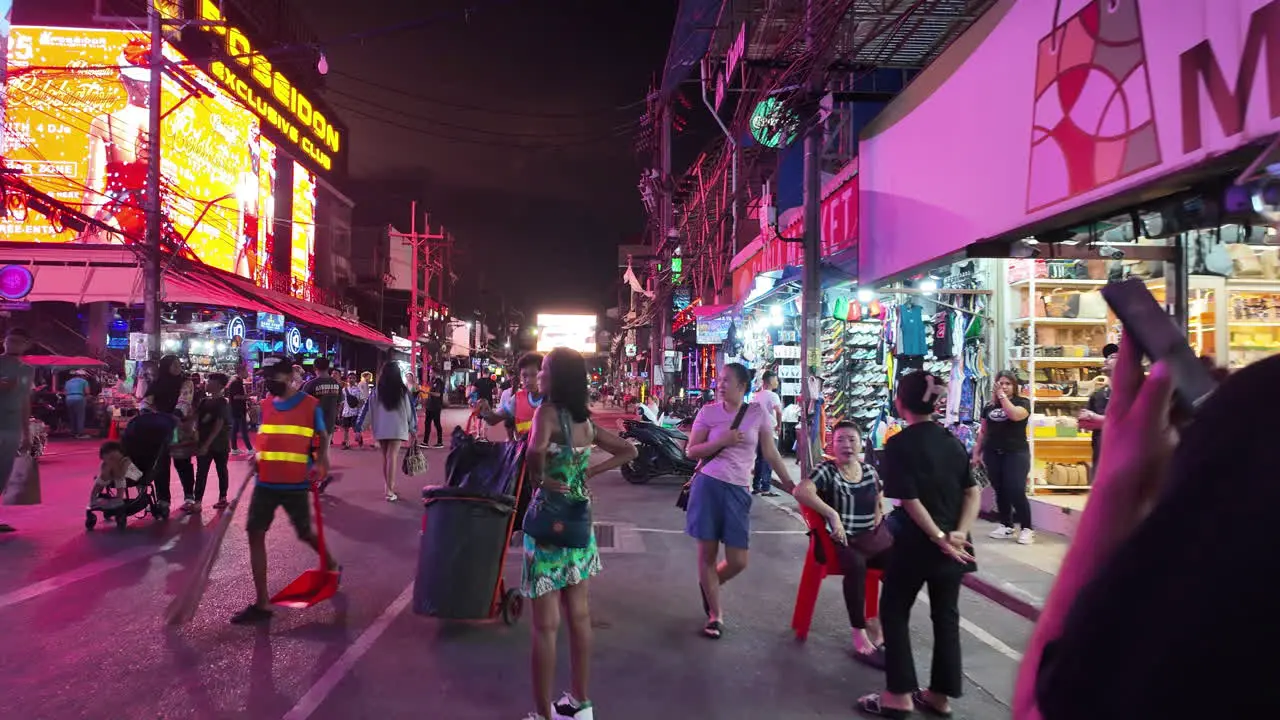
(720, 492)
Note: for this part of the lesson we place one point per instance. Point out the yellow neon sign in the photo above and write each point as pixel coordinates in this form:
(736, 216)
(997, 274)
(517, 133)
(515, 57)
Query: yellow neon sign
(300, 121)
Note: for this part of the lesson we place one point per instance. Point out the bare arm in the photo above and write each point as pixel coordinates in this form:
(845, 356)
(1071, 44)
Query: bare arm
(544, 421)
(1016, 413)
(806, 493)
(977, 444)
(969, 509)
(700, 446)
(621, 451)
(921, 517)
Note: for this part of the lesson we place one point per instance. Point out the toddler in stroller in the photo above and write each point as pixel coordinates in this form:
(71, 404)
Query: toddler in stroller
(122, 489)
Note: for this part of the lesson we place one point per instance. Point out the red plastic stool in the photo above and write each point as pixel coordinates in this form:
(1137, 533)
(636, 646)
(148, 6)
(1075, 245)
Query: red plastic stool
(822, 546)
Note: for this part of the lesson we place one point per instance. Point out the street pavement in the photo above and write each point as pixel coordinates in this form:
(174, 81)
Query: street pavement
(85, 637)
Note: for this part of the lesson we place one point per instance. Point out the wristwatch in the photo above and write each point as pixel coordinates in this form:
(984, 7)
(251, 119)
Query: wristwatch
(940, 536)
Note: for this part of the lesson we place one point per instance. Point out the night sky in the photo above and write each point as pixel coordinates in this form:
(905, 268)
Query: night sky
(518, 116)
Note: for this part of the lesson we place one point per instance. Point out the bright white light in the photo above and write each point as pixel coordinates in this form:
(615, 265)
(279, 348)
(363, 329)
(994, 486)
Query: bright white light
(222, 347)
(775, 315)
(865, 295)
(508, 344)
(928, 286)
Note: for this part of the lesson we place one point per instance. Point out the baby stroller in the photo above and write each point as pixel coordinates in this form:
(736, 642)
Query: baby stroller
(145, 440)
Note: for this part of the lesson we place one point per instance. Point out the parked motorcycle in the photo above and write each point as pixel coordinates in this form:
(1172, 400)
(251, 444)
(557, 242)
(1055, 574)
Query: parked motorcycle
(661, 452)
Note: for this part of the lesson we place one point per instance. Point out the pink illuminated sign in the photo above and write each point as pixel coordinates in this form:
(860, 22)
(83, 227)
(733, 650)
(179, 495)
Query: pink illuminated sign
(1048, 105)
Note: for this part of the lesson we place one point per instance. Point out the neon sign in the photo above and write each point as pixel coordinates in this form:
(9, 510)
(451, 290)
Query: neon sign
(293, 340)
(270, 94)
(235, 328)
(15, 282)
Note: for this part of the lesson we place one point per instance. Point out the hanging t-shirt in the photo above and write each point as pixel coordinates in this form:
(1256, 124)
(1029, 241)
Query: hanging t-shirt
(911, 322)
(942, 324)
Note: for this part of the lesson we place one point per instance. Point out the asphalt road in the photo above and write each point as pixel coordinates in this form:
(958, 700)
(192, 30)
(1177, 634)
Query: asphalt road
(84, 636)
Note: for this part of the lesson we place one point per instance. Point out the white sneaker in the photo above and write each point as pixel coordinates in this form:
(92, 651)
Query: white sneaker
(569, 708)
(1003, 532)
(1026, 537)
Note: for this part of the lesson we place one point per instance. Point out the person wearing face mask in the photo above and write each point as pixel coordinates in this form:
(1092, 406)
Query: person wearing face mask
(286, 470)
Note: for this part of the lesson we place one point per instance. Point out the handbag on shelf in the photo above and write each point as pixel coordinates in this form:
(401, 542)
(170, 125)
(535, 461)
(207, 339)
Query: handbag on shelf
(557, 519)
(682, 501)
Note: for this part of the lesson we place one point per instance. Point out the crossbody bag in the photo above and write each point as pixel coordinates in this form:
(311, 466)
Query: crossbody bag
(682, 502)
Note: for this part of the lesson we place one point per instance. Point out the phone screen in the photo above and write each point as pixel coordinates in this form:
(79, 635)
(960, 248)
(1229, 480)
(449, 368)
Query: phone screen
(1160, 339)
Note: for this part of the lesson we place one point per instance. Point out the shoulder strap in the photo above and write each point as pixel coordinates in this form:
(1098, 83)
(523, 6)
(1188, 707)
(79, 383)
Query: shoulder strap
(737, 419)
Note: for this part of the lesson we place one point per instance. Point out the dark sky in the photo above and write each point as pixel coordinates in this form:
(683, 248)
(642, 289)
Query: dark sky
(519, 117)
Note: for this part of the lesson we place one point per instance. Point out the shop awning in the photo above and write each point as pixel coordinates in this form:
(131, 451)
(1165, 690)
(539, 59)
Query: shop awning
(61, 361)
(308, 313)
(792, 278)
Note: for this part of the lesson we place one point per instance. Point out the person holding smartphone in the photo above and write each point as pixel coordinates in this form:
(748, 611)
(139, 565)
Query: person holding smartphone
(1002, 447)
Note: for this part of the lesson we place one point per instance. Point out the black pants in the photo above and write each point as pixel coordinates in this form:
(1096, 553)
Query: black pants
(240, 429)
(186, 475)
(431, 418)
(218, 460)
(1008, 473)
(908, 571)
(854, 566)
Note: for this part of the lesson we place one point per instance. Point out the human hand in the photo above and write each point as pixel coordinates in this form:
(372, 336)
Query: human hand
(960, 553)
(976, 461)
(838, 533)
(555, 486)
(959, 540)
(1000, 396)
(1140, 440)
(731, 438)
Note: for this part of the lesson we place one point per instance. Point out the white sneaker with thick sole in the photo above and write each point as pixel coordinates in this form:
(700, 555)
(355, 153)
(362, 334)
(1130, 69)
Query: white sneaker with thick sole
(1026, 537)
(1003, 532)
(569, 708)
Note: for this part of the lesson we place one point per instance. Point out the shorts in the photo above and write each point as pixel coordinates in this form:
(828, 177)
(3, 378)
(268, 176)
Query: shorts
(719, 511)
(347, 422)
(265, 500)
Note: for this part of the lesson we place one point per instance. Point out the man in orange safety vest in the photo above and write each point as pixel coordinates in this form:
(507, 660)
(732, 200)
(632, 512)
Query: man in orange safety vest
(292, 423)
(523, 403)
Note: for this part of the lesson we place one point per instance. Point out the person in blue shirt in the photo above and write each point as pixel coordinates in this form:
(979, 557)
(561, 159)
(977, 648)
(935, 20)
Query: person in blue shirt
(77, 394)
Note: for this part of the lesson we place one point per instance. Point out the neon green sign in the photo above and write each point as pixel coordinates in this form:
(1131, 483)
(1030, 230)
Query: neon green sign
(773, 124)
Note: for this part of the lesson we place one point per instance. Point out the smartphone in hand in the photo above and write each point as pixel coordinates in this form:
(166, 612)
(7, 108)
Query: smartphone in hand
(1159, 338)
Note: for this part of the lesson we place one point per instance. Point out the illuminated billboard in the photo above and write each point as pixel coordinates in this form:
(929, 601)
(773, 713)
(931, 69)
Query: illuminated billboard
(576, 332)
(302, 259)
(77, 126)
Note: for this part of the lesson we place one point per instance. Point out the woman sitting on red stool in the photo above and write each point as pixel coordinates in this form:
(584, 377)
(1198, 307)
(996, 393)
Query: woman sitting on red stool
(847, 493)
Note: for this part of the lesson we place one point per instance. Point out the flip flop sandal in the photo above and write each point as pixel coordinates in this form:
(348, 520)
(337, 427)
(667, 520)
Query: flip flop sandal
(874, 659)
(923, 706)
(712, 629)
(870, 705)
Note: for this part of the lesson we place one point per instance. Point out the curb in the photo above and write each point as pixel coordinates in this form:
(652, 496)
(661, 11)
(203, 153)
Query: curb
(1006, 595)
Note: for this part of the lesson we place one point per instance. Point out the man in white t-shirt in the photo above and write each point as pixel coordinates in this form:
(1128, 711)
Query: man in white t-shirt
(767, 398)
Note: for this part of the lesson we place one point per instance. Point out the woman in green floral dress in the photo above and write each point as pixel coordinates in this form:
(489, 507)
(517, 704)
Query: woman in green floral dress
(558, 458)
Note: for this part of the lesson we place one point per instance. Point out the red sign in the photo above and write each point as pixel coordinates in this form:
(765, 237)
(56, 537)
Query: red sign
(839, 232)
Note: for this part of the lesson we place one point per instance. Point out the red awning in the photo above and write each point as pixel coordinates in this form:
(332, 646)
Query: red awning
(309, 313)
(198, 287)
(61, 361)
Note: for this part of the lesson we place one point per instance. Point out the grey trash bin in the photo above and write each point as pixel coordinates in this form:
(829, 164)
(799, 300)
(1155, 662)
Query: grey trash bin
(460, 556)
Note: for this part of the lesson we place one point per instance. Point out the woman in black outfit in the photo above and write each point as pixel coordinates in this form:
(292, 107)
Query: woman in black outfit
(1002, 447)
(170, 395)
(927, 469)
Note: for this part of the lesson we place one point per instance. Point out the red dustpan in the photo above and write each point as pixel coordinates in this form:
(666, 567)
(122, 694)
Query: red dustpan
(312, 586)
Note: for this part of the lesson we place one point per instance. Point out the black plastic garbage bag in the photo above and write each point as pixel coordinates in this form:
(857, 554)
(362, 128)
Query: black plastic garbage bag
(460, 557)
(481, 466)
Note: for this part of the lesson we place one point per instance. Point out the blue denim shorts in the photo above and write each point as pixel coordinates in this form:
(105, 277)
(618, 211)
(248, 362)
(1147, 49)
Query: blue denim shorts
(719, 511)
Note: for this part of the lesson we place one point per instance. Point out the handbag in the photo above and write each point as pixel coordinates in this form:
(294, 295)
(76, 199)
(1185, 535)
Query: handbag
(557, 519)
(414, 463)
(23, 487)
(682, 502)
(871, 543)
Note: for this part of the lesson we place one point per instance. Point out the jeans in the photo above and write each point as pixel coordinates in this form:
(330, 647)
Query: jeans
(762, 481)
(909, 569)
(430, 419)
(76, 407)
(854, 566)
(1008, 474)
(240, 429)
(186, 475)
(219, 460)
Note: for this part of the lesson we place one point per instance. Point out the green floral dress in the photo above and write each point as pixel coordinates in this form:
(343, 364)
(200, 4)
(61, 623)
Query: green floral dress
(548, 568)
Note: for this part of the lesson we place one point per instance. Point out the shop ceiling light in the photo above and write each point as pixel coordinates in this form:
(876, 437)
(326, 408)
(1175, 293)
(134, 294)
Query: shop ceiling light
(865, 295)
(928, 286)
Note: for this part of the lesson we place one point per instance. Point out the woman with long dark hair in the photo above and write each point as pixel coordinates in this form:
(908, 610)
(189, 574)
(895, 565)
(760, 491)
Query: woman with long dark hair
(391, 416)
(560, 444)
(927, 469)
(1002, 447)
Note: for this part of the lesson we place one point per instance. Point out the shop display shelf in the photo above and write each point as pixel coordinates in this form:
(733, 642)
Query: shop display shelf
(1058, 284)
(1064, 400)
(1062, 360)
(1063, 488)
(1060, 321)
(1082, 438)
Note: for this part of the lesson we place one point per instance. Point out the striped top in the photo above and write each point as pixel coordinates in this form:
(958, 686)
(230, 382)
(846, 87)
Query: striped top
(854, 502)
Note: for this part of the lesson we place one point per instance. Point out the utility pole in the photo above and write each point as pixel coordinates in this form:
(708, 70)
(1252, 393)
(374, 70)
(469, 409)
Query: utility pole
(658, 328)
(419, 243)
(811, 300)
(151, 295)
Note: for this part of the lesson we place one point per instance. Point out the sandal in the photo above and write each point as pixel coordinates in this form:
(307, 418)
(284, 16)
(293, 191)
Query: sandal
(926, 707)
(874, 659)
(871, 705)
(712, 629)
(706, 606)
(250, 615)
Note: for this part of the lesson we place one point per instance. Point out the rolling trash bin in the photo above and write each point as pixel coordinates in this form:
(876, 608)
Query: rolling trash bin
(464, 535)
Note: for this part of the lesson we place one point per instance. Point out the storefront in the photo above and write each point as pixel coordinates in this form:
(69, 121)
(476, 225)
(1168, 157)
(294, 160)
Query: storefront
(1109, 143)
